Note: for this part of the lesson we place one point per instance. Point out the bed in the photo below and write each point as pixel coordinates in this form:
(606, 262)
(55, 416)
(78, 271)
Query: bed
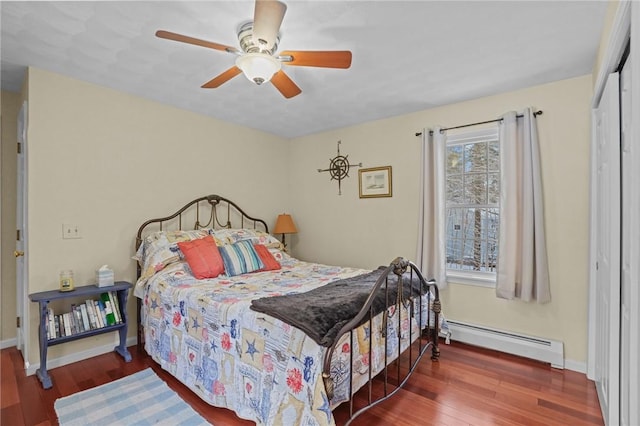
(261, 338)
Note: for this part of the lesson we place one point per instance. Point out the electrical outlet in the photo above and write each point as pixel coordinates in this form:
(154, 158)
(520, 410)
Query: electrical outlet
(70, 231)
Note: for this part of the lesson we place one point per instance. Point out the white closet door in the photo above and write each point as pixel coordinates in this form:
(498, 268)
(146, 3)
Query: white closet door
(631, 177)
(629, 272)
(607, 364)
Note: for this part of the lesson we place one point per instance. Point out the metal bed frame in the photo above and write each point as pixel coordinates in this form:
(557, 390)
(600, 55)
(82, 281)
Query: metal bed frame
(427, 337)
(395, 373)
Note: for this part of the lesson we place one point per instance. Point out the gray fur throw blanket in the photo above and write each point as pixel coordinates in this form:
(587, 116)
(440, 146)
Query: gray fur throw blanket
(322, 312)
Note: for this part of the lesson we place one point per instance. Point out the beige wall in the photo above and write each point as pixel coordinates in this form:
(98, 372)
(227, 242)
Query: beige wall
(10, 108)
(347, 230)
(107, 161)
(92, 151)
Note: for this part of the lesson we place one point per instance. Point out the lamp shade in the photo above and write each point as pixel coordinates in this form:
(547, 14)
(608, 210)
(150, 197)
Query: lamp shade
(258, 67)
(285, 225)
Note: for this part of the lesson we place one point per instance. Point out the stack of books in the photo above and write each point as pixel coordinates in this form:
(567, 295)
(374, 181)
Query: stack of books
(87, 316)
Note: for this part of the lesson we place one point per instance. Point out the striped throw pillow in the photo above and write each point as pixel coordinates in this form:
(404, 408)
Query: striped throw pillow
(240, 258)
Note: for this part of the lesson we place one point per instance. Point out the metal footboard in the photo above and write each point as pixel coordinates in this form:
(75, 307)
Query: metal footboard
(400, 362)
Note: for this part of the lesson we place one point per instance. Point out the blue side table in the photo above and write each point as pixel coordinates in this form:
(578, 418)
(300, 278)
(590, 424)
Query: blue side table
(121, 289)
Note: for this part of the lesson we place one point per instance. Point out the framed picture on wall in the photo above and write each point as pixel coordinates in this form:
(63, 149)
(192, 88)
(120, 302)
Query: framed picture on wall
(375, 182)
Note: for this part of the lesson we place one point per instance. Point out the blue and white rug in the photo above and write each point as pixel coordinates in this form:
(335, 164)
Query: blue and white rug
(139, 399)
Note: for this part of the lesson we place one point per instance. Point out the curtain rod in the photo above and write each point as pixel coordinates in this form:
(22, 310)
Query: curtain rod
(535, 114)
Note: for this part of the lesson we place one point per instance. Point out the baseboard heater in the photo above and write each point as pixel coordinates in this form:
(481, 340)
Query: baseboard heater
(551, 351)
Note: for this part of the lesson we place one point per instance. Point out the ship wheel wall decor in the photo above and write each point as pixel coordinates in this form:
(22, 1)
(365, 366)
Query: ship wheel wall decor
(339, 168)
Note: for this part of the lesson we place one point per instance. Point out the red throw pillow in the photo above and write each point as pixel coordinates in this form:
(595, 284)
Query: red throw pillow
(270, 262)
(203, 257)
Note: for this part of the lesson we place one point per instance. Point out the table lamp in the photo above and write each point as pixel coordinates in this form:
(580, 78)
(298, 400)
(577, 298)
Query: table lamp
(284, 225)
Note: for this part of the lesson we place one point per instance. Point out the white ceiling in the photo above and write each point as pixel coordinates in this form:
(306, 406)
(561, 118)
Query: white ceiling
(407, 56)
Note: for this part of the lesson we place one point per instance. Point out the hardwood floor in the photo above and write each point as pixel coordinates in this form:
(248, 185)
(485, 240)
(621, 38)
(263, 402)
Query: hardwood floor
(469, 386)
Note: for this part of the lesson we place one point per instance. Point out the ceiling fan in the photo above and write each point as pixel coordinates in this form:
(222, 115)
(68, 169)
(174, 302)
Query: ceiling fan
(258, 42)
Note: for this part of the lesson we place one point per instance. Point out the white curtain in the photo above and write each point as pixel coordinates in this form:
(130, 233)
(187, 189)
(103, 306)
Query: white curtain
(430, 256)
(522, 271)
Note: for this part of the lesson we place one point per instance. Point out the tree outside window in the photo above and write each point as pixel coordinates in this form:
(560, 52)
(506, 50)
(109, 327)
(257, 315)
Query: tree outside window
(472, 201)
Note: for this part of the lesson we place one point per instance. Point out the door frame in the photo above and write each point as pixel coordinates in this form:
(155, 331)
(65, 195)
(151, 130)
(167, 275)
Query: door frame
(622, 33)
(634, 343)
(22, 263)
(628, 274)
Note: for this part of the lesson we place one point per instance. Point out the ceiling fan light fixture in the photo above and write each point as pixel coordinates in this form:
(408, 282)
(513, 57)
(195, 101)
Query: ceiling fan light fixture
(259, 41)
(258, 67)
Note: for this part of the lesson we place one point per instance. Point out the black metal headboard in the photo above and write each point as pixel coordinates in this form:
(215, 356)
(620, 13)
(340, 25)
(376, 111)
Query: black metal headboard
(208, 208)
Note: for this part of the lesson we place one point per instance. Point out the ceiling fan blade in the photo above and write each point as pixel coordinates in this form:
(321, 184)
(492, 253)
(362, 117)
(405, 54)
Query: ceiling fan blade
(267, 18)
(309, 58)
(191, 40)
(222, 78)
(285, 85)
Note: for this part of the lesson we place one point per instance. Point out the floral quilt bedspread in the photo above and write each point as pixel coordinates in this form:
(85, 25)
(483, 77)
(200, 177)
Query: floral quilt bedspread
(206, 335)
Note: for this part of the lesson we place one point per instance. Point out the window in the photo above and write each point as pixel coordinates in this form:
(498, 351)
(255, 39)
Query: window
(472, 205)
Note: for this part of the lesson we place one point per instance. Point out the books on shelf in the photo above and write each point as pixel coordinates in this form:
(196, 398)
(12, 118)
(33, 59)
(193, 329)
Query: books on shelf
(108, 308)
(91, 312)
(77, 311)
(83, 317)
(103, 314)
(67, 324)
(115, 306)
(50, 322)
(56, 321)
(96, 307)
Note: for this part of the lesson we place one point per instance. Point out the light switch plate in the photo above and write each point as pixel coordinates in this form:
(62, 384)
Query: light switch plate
(70, 231)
